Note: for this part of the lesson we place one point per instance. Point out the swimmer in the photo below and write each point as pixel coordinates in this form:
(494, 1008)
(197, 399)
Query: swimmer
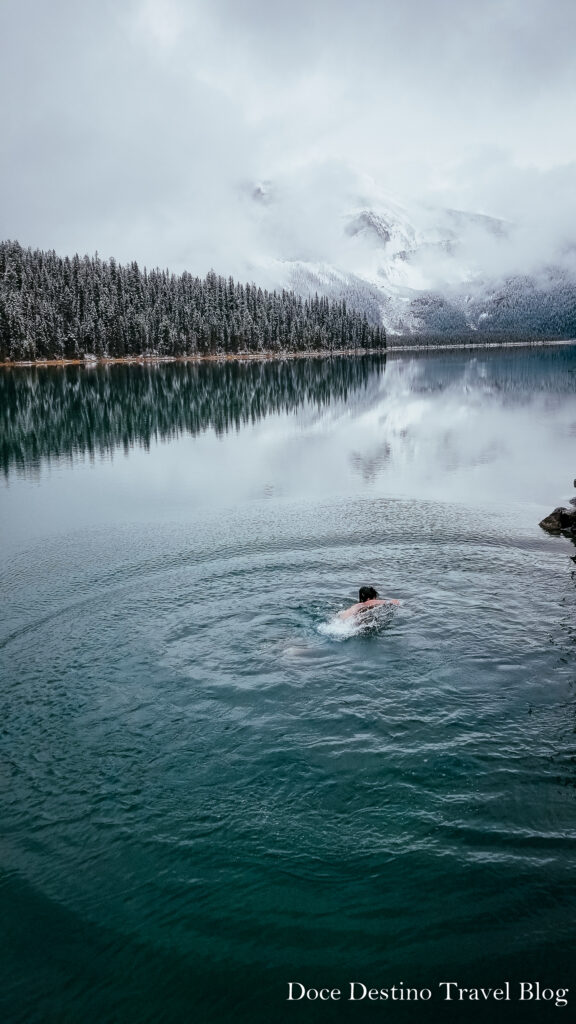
(368, 598)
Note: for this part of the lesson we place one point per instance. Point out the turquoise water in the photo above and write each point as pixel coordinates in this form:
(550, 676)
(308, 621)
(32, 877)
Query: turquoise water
(210, 788)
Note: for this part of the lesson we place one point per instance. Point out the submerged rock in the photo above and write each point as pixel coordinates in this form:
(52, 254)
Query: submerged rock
(561, 520)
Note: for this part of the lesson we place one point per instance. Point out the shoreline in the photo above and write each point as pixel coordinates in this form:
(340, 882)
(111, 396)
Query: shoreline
(215, 357)
(469, 346)
(269, 356)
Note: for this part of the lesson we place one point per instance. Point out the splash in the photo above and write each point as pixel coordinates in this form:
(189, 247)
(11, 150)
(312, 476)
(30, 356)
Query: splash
(359, 625)
(339, 629)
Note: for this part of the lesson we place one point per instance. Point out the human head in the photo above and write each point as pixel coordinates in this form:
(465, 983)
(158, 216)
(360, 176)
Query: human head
(367, 594)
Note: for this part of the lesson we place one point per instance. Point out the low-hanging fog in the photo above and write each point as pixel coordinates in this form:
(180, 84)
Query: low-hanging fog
(229, 133)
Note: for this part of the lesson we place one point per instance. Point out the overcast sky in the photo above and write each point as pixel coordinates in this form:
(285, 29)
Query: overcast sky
(138, 127)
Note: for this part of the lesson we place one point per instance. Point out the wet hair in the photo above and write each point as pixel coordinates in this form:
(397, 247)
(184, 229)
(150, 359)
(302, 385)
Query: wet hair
(367, 594)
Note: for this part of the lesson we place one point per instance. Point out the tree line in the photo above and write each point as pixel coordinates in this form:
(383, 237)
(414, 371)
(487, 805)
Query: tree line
(54, 307)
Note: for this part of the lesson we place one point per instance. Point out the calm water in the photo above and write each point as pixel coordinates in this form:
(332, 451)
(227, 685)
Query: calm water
(207, 788)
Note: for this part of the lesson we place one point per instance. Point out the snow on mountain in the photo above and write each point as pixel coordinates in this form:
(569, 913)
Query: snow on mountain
(414, 267)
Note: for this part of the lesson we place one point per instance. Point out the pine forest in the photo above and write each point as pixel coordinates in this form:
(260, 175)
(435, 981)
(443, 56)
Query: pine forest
(67, 308)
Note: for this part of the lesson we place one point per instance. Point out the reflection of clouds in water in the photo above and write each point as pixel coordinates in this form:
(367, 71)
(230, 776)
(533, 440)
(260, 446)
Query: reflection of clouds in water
(461, 421)
(370, 464)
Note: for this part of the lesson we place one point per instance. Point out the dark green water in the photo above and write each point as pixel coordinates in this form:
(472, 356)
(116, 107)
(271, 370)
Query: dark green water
(208, 789)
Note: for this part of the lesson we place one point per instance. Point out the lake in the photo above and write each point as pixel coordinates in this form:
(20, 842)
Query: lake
(210, 785)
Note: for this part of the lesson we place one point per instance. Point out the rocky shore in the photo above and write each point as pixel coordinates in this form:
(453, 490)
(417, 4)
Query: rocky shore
(562, 522)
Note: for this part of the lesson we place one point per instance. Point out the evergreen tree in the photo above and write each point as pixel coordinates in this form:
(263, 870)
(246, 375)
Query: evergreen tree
(54, 308)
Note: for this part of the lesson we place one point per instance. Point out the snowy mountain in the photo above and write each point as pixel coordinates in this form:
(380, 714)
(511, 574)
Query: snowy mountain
(415, 268)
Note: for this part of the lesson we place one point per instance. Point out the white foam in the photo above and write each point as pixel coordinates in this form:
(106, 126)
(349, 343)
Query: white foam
(340, 629)
(367, 622)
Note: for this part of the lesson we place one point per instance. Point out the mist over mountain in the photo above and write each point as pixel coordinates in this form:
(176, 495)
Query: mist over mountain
(412, 266)
(417, 159)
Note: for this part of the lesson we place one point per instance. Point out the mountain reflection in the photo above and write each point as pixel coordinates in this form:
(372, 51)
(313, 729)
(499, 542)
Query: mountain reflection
(457, 423)
(47, 412)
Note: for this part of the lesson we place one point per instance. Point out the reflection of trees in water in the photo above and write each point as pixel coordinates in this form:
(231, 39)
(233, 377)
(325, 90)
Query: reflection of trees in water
(369, 465)
(49, 411)
(422, 397)
(513, 373)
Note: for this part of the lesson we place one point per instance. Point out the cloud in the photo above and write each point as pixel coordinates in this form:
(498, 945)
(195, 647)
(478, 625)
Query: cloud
(137, 128)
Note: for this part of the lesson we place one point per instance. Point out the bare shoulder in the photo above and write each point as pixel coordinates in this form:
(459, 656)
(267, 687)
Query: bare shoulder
(363, 606)
(349, 612)
(377, 601)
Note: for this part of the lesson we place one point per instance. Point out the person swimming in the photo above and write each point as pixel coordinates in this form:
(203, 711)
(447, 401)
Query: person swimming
(367, 598)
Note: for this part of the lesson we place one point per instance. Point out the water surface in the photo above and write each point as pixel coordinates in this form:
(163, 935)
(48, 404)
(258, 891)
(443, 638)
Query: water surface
(209, 788)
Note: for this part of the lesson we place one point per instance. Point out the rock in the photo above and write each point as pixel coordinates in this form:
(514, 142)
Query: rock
(561, 520)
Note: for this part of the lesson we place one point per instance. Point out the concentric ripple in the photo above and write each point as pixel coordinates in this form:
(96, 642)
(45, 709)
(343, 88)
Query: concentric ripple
(211, 785)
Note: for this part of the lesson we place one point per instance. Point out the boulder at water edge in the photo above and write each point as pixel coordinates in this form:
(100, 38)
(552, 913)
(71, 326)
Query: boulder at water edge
(561, 520)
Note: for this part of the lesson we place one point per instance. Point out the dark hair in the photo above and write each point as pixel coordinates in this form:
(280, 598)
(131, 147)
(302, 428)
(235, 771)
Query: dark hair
(367, 594)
